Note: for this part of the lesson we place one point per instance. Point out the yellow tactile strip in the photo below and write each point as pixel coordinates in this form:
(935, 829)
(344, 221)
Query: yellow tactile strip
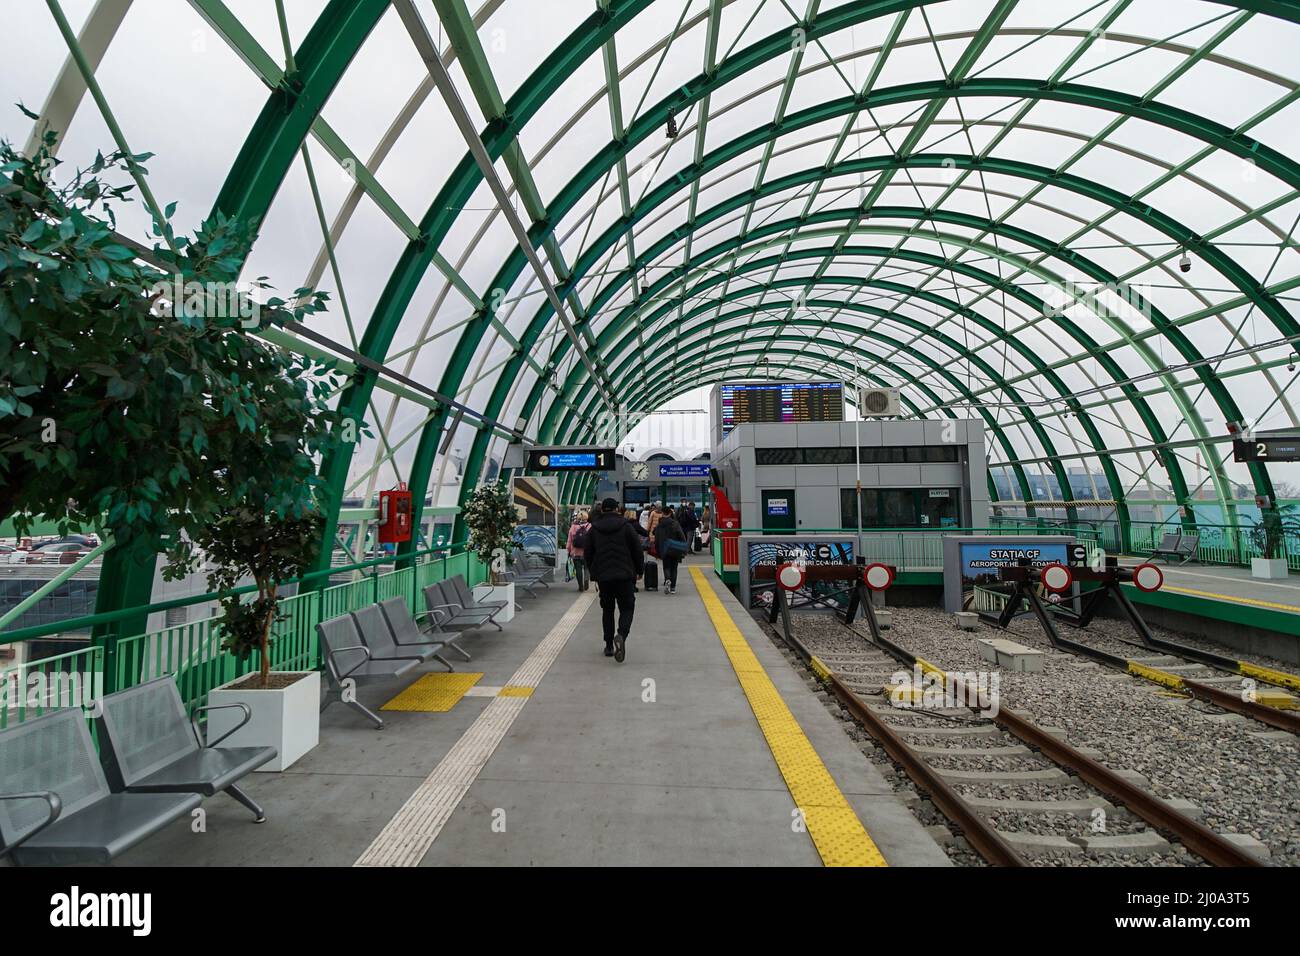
(1232, 598)
(836, 831)
(433, 693)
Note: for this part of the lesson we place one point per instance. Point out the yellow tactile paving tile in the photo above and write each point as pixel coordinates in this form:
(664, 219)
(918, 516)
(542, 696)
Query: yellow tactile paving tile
(836, 831)
(515, 690)
(433, 693)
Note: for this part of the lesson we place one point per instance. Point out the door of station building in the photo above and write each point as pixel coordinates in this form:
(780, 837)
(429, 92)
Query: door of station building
(778, 510)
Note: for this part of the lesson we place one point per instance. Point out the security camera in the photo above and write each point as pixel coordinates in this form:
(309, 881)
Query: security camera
(1290, 364)
(1185, 263)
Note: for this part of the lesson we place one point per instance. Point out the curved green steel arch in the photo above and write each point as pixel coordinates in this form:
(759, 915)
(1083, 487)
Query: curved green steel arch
(401, 287)
(253, 180)
(606, 337)
(954, 381)
(639, 394)
(1189, 352)
(620, 372)
(1104, 194)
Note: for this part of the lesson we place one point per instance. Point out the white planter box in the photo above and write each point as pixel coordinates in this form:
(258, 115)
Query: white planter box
(1268, 567)
(287, 719)
(498, 592)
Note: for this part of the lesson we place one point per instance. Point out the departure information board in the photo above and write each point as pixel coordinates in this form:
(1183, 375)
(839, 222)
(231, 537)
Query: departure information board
(780, 402)
(563, 459)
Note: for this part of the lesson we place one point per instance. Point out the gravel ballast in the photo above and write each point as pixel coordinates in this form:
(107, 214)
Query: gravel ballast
(1243, 777)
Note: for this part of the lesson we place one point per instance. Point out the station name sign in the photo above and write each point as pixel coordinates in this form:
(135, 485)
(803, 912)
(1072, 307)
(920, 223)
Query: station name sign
(570, 459)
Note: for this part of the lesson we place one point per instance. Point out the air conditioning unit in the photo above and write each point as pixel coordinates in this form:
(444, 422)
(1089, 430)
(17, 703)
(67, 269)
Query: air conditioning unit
(878, 403)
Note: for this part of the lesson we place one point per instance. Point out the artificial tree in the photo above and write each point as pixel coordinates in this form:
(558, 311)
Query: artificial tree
(117, 405)
(491, 516)
(134, 396)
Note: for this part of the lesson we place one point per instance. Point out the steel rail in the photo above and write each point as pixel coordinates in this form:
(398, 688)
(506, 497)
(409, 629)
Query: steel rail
(1194, 835)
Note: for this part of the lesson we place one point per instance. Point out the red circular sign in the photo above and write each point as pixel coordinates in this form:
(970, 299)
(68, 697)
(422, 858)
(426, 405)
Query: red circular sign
(790, 576)
(878, 576)
(1148, 577)
(1057, 577)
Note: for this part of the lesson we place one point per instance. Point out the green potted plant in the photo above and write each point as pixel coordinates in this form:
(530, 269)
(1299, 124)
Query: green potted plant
(490, 516)
(141, 393)
(1268, 535)
(271, 549)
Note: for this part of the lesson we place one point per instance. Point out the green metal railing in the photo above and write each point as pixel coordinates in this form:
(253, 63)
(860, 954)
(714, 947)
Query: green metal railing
(193, 652)
(1219, 544)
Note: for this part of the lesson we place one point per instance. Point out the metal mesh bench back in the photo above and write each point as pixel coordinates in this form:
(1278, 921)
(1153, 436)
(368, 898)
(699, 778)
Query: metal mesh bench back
(53, 752)
(336, 634)
(374, 630)
(147, 728)
(1169, 542)
(400, 622)
(1189, 543)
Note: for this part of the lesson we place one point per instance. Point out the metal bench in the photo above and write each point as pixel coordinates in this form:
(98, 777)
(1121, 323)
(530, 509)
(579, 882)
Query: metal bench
(467, 599)
(348, 663)
(525, 574)
(1177, 546)
(377, 635)
(56, 806)
(150, 745)
(407, 631)
(449, 611)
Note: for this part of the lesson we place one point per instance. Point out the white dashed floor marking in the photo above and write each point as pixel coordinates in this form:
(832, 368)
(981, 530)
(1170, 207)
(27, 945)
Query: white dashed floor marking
(406, 838)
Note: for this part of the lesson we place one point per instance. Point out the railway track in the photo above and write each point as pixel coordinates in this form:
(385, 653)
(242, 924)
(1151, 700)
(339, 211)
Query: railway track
(1019, 793)
(1253, 690)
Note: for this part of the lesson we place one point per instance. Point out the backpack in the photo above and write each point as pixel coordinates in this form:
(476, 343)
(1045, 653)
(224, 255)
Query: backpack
(580, 537)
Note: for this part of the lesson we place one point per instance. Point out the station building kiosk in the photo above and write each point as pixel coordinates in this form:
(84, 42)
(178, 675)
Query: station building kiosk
(801, 476)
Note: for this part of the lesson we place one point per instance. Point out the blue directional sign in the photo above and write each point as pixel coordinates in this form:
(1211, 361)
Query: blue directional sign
(683, 471)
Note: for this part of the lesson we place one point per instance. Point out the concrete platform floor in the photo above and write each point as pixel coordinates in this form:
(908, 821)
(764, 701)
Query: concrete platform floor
(1229, 584)
(658, 761)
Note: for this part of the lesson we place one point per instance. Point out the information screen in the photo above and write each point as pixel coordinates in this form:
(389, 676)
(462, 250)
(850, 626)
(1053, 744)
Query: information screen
(781, 402)
(554, 459)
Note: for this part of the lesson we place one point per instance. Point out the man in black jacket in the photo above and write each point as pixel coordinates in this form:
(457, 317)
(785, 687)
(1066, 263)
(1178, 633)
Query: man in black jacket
(615, 560)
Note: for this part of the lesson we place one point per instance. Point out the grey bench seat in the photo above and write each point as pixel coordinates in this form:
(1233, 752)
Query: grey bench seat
(348, 662)
(450, 612)
(1181, 547)
(407, 631)
(151, 745)
(68, 814)
(377, 635)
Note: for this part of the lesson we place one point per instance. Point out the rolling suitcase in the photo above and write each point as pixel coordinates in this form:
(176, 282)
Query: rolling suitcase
(651, 574)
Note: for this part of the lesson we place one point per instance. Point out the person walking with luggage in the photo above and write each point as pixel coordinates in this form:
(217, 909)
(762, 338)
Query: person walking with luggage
(690, 523)
(577, 544)
(671, 546)
(615, 560)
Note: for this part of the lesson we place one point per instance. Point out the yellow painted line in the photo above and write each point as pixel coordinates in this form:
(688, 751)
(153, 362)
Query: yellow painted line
(836, 831)
(1234, 599)
(820, 669)
(1268, 675)
(513, 690)
(1152, 674)
(434, 693)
